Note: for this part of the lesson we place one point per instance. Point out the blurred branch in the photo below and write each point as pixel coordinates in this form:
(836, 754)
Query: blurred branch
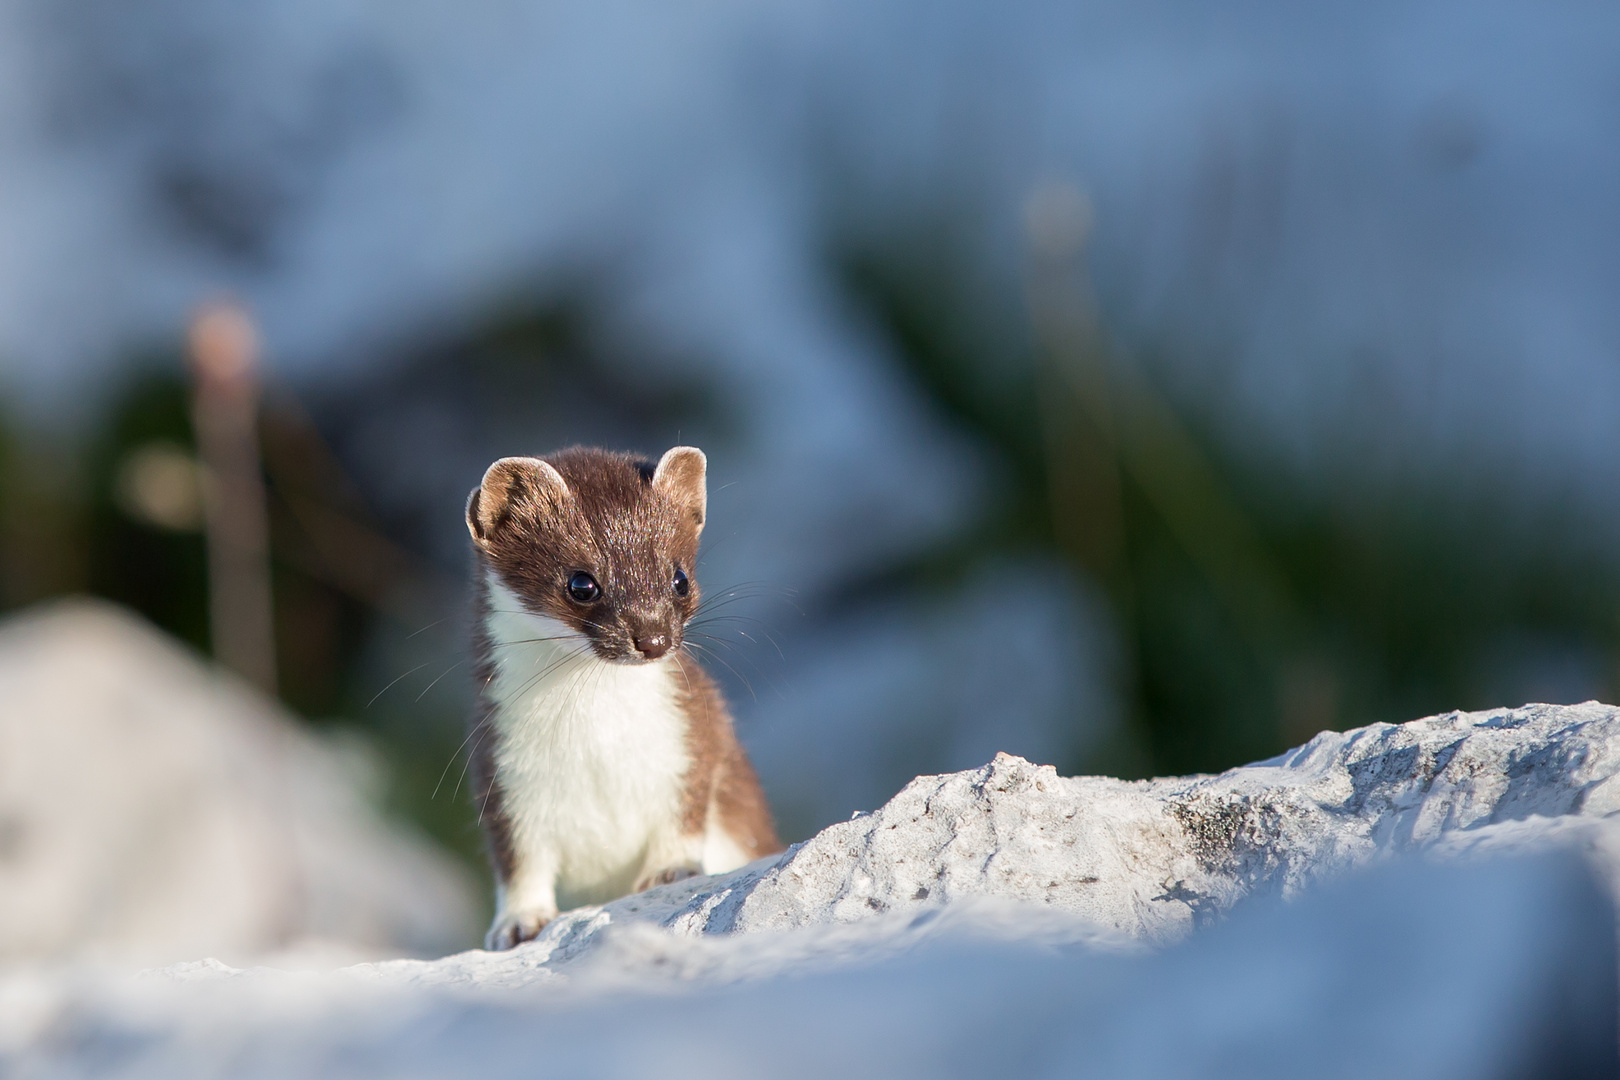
(1185, 489)
(330, 538)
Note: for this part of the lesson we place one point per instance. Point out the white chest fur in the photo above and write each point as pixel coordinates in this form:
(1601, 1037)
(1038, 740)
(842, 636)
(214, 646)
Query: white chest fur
(590, 755)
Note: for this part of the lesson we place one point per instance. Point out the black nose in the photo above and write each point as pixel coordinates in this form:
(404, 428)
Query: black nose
(652, 646)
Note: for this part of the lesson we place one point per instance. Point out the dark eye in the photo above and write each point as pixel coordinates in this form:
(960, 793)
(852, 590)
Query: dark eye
(583, 587)
(682, 586)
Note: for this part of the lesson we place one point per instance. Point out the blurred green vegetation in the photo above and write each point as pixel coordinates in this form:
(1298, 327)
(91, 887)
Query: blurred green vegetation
(1256, 603)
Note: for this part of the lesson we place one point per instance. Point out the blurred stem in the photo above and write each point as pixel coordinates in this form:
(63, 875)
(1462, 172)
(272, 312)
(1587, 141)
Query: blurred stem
(224, 354)
(1079, 435)
(1104, 424)
(1188, 493)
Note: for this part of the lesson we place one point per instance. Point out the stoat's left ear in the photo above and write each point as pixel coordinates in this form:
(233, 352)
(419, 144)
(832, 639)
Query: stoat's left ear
(682, 475)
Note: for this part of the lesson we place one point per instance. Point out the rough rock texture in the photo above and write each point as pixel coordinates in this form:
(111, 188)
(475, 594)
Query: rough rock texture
(1150, 860)
(1006, 921)
(155, 809)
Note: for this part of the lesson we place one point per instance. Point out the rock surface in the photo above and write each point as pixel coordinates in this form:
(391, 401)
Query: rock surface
(1007, 920)
(1386, 979)
(1150, 860)
(154, 809)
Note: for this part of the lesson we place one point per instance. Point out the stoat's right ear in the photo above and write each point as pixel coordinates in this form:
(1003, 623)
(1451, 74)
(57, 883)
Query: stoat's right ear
(511, 486)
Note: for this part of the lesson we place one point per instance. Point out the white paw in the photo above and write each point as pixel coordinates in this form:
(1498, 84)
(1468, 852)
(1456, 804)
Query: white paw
(664, 877)
(513, 928)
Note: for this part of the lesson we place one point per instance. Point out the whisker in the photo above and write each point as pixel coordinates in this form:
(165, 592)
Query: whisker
(482, 730)
(390, 686)
(684, 676)
(426, 628)
(745, 592)
(701, 630)
(435, 682)
(533, 640)
(598, 673)
(763, 584)
(722, 662)
(741, 656)
(764, 627)
(705, 617)
(749, 655)
(549, 668)
(489, 789)
(709, 548)
(455, 754)
(728, 598)
(532, 615)
(766, 634)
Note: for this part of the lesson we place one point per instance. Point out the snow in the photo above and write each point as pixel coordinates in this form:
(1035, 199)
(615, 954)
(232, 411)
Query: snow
(1406, 900)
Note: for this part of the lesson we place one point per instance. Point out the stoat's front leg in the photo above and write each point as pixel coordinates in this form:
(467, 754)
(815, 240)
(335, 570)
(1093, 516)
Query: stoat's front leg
(525, 903)
(671, 858)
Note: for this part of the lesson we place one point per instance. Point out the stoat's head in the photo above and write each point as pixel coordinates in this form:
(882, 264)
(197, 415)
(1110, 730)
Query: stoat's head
(603, 542)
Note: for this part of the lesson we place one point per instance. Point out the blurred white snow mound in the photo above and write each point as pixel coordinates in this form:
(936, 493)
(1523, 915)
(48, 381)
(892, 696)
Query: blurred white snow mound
(999, 922)
(153, 809)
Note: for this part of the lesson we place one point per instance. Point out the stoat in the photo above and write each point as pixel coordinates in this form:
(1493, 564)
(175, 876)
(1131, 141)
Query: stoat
(604, 759)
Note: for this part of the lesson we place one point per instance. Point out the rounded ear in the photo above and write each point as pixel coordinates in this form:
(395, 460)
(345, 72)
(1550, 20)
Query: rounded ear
(512, 484)
(682, 475)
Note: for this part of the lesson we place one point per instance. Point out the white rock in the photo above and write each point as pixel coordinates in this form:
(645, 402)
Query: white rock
(1005, 921)
(1494, 971)
(1151, 859)
(153, 809)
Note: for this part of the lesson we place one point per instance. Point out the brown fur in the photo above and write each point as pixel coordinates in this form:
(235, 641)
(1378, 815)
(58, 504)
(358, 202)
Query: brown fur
(538, 521)
(486, 792)
(722, 779)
